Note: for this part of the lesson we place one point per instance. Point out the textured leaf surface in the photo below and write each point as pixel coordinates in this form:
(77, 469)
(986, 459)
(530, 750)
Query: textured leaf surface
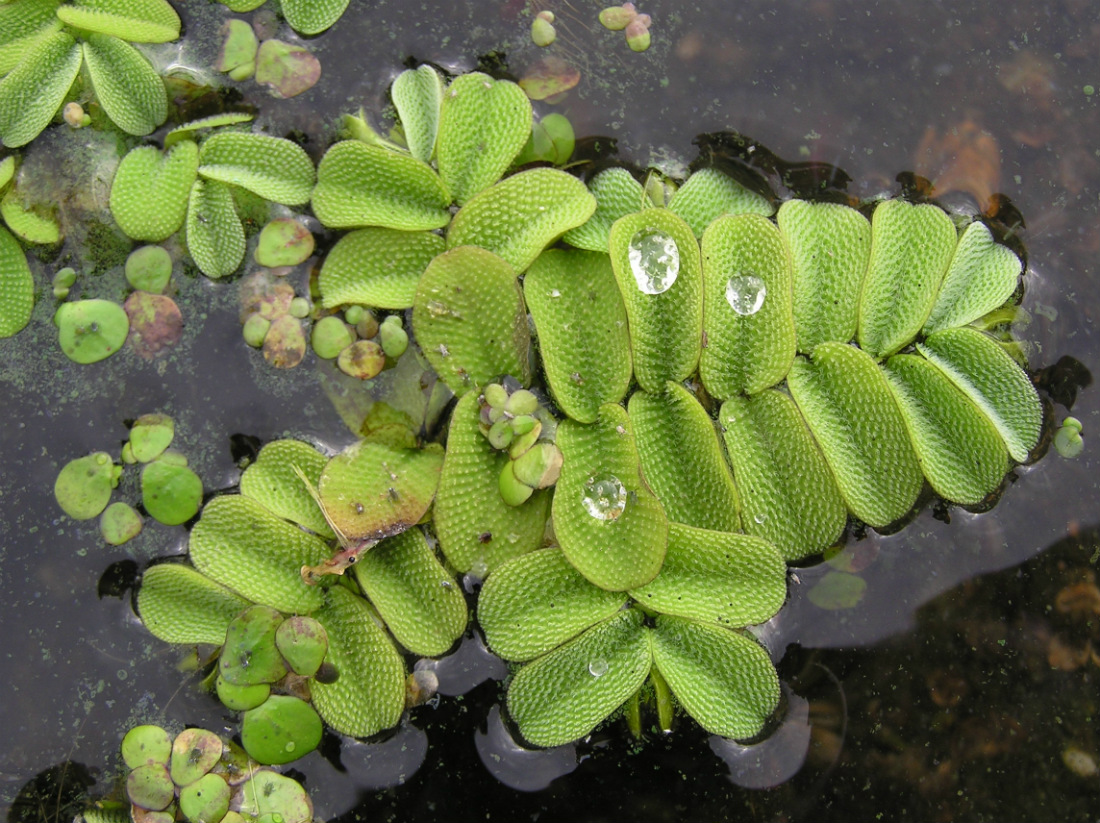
(419, 599)
(482, 127)
(150, 192)
(724, 679)
(272, 482)
(959, 449)
(557, 698)
(186, 131)
(991, 379)
(418, 95)
(181, 605)
(911, 246)
(616, 552)
(31, 93)
(27, 223)
(21, 25)
(313, 16)
(369, 694)
(240, 544)
(519, 217)
(750, 334)
(377, 267)
(470, 319)
(215, 236)
(983, 274)
(139, 21)
(580, 320)
(16, 286)
(682, 459)
(853, 416)
(373, 490)
(361, 185)
(830, 245)
(476, 528)
(126, 85)
(271, 167)
(537, 602)
(666, 328)
(708, 194)
(617, 194)
(717, 577)
(788, 494)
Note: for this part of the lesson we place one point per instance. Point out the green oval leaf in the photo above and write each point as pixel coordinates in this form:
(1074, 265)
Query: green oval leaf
(126, 85)
(150, 191)
(617, 194)
(313, 16)
(170, 493)
(682, 459)
(852, 413)
(482, 127)
(580, 320)
(723, 679)
(470, 319)
(273, 482)
(361, 185)
(830, 245)
(16, 286)
(419, 599)
(91, 330)
(748, 318)
(139, 21)
(788, 494)
(271, 167)
(563, 695)
(181, 605)
(279, 730)
(608, 522)
(83, 486)
(522, 215)
(215, 236)
(32, 92)
(418, 95)
(377, 267)
(708, 194)
(249, 656)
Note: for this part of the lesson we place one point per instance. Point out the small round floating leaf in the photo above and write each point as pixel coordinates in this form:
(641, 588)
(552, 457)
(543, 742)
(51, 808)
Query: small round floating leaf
(146, 745)
(330, 336)
(724, 679)
(416, 596)
(617, 18)
(1068, 441)
(313, 16)
(394, 339)
(418, 95)
(837, 590)
(28, 223)
(482, 127)
(255, 330)
(284, 242)
(270, 797)
(149, 787)
(171, 494)
(271, 167)
(285, 342)
(238, 49)
(272, 481)
(303, 643)
(126, 85)
(520, 216)
(206, 800)
(84, 485)
(363, 359)
(139, 21)
(361, 185)
(155, 323)
(563, 695)
(91, 330)
(286, 70)
(249, 656)
(215, 236)
(149, 268)
(119, 523)
(513, 491)
(470, 319)
(180, 605)
(617, 194)
(561, 134)
(549, 77)
(542, 31)
(377, 267)
(280, 730)
(535, 603)
(830, 245)
(540, 466)
(708, 194)
(32, 92)
(194, 753)
(16, 286)
(150, 190)
(241, 698)
(150, 435)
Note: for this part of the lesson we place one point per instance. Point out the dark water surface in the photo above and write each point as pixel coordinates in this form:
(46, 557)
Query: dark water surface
(960, 687)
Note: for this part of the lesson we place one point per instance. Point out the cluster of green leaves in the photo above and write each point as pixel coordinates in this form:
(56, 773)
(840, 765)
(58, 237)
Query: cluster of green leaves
(304, 16)
(44, 43)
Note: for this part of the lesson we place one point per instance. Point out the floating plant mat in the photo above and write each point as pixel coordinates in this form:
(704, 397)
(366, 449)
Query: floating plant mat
(629, 471)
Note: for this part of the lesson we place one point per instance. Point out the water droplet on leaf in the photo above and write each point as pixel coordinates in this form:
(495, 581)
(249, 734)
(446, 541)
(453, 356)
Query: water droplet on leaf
(598, 667)
(745, 293)
(654, 261)
(604, 497)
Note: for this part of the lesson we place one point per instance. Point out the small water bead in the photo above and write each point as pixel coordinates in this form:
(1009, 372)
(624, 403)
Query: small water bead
(745, 293)
(604, 497)
(654, 261)
(598, 667)
(760, 518)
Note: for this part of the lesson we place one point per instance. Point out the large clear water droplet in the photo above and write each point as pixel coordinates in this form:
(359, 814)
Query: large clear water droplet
(745, 293)
(598, 667)
(604, 497)
(654, 260)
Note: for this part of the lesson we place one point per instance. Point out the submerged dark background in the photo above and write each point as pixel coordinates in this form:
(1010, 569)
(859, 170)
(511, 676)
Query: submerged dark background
(952, 691)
